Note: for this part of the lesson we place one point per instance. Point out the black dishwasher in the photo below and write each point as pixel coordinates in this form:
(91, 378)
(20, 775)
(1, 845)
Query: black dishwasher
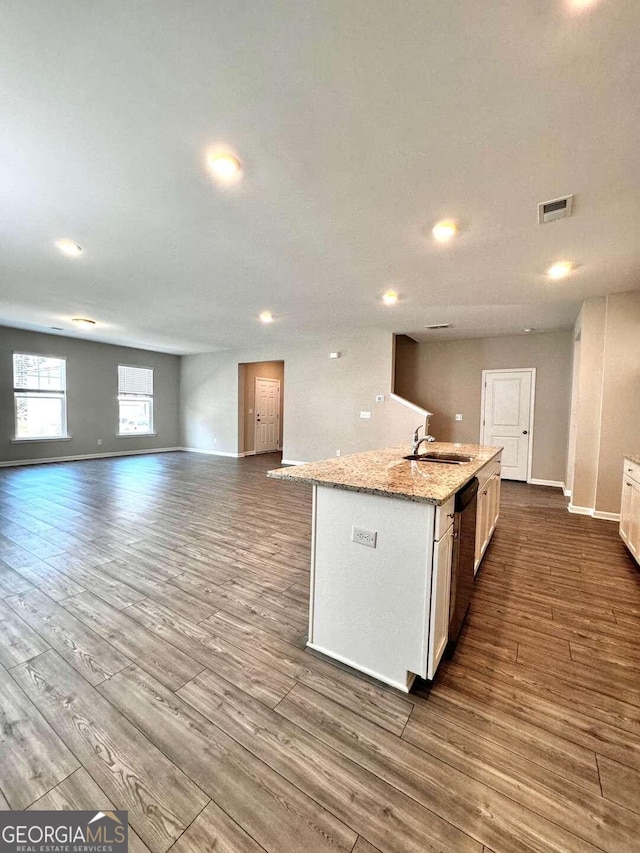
(464, 549)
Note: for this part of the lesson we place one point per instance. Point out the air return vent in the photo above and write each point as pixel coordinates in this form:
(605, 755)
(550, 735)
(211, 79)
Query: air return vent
(557, 208)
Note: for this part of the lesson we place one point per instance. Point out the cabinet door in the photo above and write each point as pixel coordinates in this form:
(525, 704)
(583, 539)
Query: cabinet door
(625, 509)
(495, 501)
(481, 524)
(634, 520)
(440, 595)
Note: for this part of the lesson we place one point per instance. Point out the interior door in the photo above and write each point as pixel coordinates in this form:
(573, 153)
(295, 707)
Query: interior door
(267, 415)
(506, 418)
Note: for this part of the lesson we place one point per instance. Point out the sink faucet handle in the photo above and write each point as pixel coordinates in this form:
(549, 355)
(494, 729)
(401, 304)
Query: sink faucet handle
(416, 433)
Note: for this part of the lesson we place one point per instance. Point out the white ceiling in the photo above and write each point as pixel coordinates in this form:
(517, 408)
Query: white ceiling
(359, 123)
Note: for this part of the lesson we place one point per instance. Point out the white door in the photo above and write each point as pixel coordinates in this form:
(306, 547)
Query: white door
(506, 418)
(267, 415)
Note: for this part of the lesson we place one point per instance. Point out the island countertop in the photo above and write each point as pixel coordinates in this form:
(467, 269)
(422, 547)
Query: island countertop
(385, 472)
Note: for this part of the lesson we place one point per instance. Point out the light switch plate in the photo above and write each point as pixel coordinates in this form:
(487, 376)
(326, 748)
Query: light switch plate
(458, 417)
(379, 398)
(365, 414)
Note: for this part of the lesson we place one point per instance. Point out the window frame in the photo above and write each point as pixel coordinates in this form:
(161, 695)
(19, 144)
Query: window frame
(42, 393)
(143, 397)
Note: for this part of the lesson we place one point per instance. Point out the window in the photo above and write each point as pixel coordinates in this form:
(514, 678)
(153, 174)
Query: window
(39, 390)
(135, 398)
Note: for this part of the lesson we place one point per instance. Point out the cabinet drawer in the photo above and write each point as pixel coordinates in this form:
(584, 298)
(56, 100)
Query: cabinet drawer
(632, 470)
(486, 473)
(444, 517)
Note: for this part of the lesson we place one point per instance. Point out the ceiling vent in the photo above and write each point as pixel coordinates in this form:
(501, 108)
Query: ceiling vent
(557, 208)
(439, 326)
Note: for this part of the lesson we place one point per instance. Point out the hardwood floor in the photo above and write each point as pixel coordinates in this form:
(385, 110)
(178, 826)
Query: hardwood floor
(153, 615)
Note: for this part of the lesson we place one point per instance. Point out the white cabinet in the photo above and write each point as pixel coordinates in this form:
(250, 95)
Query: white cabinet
(630, 508)
(488, 508)
(383, 610)
(440, 596)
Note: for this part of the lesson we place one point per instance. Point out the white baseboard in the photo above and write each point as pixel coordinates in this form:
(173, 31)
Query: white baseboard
(567, 492)
(19, 462)
(292, 462)
(228, 454)
(580, 510)
(606, 516)
(556, 484)
(594, 513)
(212, 452)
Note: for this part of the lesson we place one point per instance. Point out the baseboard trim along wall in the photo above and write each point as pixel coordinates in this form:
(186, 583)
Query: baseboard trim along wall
(606, 516)
(594, 513)
(17, 462)
(556, 484)
(212, 452)
(228, 454)
(292, 462)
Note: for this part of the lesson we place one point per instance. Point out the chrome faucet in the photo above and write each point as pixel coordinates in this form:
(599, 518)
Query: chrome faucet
(415, 444)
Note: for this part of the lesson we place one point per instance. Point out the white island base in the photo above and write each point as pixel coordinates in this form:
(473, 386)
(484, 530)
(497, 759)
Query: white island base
(383, 530)
(371, 608)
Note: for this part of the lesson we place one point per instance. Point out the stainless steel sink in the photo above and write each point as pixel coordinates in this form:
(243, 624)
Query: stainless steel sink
(440, 456)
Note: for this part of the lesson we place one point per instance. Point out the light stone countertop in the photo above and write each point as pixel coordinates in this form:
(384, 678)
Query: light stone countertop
(385, 472)
(633, 457)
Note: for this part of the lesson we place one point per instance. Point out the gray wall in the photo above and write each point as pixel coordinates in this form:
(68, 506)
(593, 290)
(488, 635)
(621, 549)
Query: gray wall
(446, 378)
(322, 400)
(92, 396)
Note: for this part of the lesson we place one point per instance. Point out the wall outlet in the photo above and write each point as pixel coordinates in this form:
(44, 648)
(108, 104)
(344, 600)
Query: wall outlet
(99, 442)
(334, 355)
(365, 414)
(364, 537)
(337, 453)
(379, 398)
(458, 417)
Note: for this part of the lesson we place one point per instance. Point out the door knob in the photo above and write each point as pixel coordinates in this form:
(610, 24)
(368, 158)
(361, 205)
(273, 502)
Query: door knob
(525, 432)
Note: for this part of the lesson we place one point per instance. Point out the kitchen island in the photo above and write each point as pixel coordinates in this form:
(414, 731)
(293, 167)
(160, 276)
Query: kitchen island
(381, 554)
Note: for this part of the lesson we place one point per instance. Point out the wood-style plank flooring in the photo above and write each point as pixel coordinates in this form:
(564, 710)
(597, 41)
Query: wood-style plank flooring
(153, 618)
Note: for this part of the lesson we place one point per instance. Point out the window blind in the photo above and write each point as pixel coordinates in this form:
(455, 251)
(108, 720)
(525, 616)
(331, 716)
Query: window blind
(135, 380)
(38, 373)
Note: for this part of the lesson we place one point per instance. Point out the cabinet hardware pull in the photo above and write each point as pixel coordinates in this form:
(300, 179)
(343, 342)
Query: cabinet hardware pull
(451, 515)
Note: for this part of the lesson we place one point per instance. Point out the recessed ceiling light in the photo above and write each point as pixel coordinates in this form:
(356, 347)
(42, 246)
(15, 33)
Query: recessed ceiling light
(439, 326)
(69, 247)
(561, 269)
(266, 317)
(445, 230)
(582, 4)
(83, 321)
(390, 297)
(224, 166)
(528, 331)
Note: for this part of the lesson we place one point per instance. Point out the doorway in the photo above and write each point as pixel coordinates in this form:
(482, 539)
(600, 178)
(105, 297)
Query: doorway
(260, 407)
(507, 406)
